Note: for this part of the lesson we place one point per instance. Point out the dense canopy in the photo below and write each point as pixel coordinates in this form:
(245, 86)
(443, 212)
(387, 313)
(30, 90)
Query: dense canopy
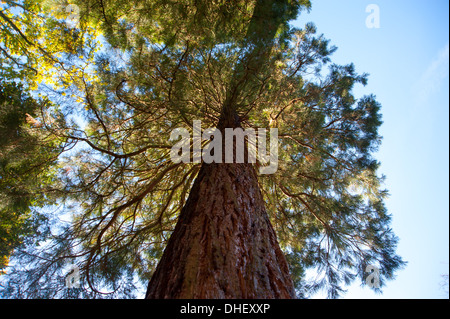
(104, 96)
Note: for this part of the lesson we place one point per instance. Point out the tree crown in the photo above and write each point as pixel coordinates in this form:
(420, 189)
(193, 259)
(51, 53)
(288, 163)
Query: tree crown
(167, 63)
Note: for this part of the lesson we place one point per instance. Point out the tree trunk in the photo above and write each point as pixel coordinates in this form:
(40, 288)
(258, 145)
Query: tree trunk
(223, 245)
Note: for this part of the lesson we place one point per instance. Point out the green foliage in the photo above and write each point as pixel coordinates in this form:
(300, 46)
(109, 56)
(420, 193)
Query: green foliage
(204, 23)
(26, 161)
(168, 63)
(37, 48)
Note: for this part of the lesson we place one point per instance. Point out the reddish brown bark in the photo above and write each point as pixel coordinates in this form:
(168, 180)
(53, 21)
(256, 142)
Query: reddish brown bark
(223, 245)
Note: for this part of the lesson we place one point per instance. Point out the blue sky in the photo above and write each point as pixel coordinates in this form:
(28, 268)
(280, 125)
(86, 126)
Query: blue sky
(407, 58)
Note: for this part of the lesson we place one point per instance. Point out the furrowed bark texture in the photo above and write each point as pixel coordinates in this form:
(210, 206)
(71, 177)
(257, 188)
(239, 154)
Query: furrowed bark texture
(223, 245)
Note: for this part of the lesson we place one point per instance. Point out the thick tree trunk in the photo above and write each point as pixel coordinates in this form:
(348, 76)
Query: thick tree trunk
(223, 245)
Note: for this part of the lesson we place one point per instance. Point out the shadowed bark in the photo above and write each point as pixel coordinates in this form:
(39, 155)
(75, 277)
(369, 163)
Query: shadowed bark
(223, 245)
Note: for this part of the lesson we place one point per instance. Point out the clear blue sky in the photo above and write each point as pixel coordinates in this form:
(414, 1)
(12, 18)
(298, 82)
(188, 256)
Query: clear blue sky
(407, 58)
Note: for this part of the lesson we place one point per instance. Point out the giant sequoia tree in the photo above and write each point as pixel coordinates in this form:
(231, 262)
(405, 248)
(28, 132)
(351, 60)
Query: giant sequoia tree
(206, 230)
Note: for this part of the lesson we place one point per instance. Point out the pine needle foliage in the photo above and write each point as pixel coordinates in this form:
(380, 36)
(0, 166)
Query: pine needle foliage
(164, 64)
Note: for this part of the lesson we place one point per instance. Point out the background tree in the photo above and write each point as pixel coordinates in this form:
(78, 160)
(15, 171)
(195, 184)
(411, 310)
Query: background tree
(29, 54)
(39, 47)
(28, 157)
(227, 63)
